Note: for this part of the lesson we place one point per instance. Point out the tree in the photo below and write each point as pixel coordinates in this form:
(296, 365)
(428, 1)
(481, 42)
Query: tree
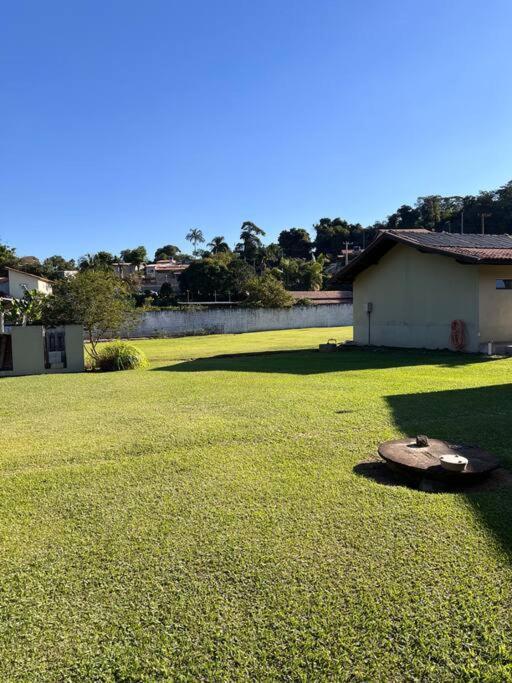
(53, 266)
(8, 256)
(331, 236)
(267, 292)
(218, 245)
(96, 299)
(195, 236)
(136, 256)
(222, 275)
(295, 243)
(297, 274)
(250, 246)
(168, 251)
(29, 308)
(102, 260)
(272, 255)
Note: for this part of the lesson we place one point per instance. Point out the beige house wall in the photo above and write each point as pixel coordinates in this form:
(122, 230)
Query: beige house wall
(495, 305)
(415, 297)
(28, 356)
(18, 281)
(27, 350)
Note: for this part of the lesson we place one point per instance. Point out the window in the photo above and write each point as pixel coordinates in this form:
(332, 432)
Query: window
(503, 284)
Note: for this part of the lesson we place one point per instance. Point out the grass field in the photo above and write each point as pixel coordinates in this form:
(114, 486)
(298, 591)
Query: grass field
(202, 520)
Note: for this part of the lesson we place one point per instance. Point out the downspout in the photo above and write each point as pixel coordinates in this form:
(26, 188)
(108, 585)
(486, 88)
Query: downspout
(369, 309)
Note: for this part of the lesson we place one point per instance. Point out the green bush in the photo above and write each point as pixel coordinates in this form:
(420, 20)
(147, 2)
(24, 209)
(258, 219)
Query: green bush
(120, 355)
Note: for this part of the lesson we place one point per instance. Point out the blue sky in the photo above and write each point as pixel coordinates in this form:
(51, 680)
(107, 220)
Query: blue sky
(129, 122)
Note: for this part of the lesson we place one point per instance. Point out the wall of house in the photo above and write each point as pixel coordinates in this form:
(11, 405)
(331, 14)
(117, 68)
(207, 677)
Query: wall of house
(18, 281)
(235, 320)
(495, 305)
(415, 297)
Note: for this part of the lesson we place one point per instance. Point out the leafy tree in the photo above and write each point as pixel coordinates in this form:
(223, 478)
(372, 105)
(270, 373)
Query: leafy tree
(272, 255)
(7, 256)
(218, 245)
(53, 266)
(295, 243)
(168, 251)
(102, 260)
(250, 246)
(297, 274)
(331, 236)
(28, 309)
(96, 299)
(135, 256)
(222, 275)
(195, 236)
(166, 296)
(183, 258)
(267, 292)
(30, 264)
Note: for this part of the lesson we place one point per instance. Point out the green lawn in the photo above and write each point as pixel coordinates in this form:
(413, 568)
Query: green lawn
(202, 520)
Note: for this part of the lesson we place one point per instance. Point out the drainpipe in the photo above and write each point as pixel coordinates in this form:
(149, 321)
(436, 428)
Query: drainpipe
(369, 309)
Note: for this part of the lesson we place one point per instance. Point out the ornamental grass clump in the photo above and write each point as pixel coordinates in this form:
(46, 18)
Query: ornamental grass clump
(120, 356)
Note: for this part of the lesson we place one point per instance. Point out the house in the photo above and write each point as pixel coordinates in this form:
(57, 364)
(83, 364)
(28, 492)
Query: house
(416, 288)
(155, 274)
(323, 298)
(125, 270)
(17, 282)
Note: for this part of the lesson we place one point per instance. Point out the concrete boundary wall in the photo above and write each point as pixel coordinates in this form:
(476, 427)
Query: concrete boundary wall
(235, 320)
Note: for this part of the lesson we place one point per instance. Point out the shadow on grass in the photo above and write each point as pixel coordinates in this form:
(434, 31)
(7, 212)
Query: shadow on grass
(311, 362)
(479, 416)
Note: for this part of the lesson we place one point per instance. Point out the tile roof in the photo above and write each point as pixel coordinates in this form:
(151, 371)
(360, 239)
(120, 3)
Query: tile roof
(452, 239)
(171, 267)
(465, 248)
(327, 295)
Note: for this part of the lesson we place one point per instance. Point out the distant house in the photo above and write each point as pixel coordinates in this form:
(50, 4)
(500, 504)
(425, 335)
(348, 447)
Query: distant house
(125, 270)
(17, 282)
(416, 288)
(165, 271)
(325, 297)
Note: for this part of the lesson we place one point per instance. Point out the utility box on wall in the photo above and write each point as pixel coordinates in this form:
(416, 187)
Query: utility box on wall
(36, 350)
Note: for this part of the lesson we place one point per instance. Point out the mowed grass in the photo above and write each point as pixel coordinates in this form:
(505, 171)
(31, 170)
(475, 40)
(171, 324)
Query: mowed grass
(202, 520)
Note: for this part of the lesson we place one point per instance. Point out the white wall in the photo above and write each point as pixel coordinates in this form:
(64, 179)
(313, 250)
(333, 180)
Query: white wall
(18, 281)
(415, 297)
(234, 320)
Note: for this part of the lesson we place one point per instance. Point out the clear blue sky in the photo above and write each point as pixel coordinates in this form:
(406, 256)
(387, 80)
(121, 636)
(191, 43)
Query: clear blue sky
(128, 122)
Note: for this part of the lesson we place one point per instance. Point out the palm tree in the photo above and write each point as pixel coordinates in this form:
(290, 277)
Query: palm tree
(218, 245)
(196, 237)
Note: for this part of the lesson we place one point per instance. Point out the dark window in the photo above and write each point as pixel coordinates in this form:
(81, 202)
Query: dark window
(503, 284)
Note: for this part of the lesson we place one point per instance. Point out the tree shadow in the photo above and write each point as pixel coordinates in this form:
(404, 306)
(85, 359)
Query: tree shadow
(479, 416)
(312, 362)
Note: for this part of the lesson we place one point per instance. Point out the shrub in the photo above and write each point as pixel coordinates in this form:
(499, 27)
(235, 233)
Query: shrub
(267, 292)
(120, 355)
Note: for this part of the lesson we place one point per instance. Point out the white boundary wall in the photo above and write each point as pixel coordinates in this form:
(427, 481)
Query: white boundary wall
(235, 320)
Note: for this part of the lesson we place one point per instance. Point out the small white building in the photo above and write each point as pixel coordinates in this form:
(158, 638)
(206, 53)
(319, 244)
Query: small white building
(17, 282)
